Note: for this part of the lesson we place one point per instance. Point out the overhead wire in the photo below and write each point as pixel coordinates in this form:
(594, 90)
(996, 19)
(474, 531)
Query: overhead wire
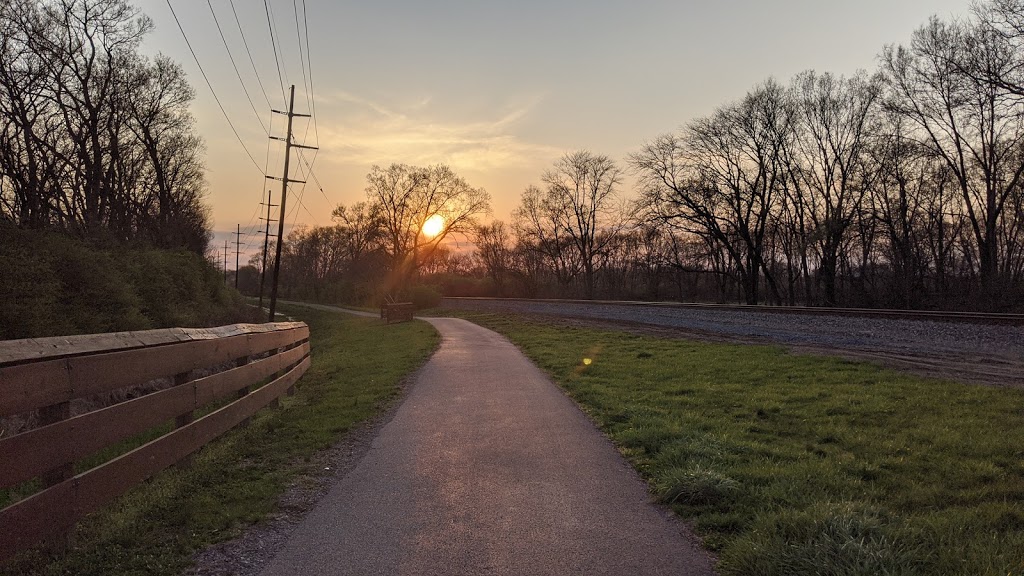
(309, 64)
(255, 230)
(302, 36)
(309, 166)
(231, 57)
(245, 43)
(306, 63)
(248, 228)
(267, 164)
(210, 85)
(282, 72)
(302, 58)
(273, 43)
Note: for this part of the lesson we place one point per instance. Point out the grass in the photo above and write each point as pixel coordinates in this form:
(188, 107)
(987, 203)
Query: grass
(155, 528)
(56, 285)
(789, 464)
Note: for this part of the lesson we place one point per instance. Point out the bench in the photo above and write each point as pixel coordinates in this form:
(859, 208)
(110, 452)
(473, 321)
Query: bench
(396, 312)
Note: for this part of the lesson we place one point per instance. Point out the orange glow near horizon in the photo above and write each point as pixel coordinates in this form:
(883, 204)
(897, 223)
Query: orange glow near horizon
(433, 226)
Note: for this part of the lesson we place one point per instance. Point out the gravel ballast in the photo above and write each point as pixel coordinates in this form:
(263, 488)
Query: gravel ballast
(985, 353)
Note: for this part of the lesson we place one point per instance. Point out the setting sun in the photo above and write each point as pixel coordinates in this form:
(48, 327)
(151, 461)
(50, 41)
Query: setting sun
(433, 226)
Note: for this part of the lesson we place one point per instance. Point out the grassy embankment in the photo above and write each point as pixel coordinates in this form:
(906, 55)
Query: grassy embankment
(55, 285)
(790, 464)
(358, 364)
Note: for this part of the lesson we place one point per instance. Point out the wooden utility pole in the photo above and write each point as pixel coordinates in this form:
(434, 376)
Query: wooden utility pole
(266, 242)
(225, 262)
(284, 193)
(238, 244)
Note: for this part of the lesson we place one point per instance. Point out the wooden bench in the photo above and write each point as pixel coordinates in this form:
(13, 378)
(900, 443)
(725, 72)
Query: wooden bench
(44, 376)
(396, 312)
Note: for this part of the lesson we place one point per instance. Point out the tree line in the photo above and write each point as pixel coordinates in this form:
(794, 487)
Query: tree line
(377, 249)
(96, 140)
(900, 187)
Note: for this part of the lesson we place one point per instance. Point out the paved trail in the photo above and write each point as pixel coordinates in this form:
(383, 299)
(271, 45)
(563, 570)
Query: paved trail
(487, 468)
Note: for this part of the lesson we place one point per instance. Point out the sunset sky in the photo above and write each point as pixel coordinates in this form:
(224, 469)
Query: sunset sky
(497, 90)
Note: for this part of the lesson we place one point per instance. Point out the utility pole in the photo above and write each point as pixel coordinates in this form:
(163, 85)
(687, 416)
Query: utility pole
(266, 242)
(284, 193)
(238, 244)
(225, 262)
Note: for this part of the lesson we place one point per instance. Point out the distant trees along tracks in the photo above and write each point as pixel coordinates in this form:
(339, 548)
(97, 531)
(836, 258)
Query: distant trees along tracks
(902, 188)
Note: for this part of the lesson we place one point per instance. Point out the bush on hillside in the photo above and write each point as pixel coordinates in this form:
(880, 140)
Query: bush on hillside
(53, 285)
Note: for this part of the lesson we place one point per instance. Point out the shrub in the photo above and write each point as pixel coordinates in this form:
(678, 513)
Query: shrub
(53, 285)
(423, 296)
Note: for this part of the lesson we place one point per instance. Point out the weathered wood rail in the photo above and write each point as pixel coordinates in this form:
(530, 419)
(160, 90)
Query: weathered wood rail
(396, 312)
(45, 375)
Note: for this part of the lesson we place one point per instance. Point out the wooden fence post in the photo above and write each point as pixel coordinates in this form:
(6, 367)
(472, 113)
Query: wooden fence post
(61, 541)
(291, 389)
(244, 391)
(185, 419)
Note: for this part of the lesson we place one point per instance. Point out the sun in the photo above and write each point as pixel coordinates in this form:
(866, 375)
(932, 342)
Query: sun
(433, 226)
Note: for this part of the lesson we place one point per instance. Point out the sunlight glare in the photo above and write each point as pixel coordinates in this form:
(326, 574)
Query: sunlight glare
(433, 226)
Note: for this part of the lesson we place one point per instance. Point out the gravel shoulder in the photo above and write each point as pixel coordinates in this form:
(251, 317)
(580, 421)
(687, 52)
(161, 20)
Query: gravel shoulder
(974, 353)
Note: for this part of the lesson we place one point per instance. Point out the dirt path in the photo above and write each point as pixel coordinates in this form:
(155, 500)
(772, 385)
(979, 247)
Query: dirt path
(487, 468)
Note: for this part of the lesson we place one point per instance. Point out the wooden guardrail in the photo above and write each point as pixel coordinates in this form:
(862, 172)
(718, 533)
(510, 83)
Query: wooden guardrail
(396, 312)
(44, 377)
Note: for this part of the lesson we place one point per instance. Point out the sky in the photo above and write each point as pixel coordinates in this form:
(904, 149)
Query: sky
(498, 90)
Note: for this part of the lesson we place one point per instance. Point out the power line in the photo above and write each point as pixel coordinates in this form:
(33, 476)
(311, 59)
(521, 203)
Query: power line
(231, 57)
(247, 51)
(302, 59)
(273, 43)
(253, 224)
(212, 91)
(309, 172)
(309, 64)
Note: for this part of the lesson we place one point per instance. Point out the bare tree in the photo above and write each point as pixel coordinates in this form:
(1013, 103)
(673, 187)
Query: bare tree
(829, 174)
(539, 232)
(578, 207)
(967, 122)
(494, 248)
(721, 178)
(363, 228)
(405, 197)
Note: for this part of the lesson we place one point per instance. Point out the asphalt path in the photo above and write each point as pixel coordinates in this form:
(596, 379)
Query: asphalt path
(487, 468)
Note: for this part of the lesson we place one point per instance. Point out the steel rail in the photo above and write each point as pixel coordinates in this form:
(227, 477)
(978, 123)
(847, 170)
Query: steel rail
(929, 315)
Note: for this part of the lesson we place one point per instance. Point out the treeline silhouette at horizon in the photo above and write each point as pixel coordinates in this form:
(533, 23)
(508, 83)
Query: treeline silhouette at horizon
(900, 187)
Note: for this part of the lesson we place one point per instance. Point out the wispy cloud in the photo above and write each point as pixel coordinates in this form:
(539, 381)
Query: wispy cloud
(363, 131)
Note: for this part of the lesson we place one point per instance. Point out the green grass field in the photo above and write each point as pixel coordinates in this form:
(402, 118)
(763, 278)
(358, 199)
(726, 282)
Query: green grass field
(788, 464)
(358, 364)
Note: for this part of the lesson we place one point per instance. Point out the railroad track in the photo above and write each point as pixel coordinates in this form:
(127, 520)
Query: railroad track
(1005, 319)
(985, 348)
